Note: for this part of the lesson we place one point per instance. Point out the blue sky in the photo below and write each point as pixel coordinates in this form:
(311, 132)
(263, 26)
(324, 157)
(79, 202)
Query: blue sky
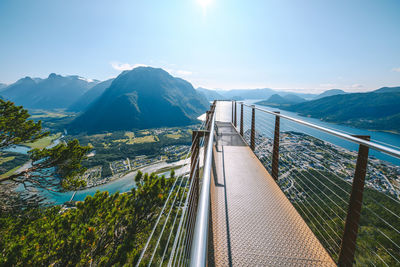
(305, 45)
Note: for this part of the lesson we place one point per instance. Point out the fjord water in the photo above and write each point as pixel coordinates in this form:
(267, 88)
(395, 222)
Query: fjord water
(267, 124)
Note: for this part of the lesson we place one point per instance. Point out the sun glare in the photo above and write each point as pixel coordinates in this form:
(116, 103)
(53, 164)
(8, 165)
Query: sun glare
(204, 3)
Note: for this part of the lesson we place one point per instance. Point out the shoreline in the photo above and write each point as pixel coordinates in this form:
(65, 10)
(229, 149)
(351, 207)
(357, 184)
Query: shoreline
(397, 133)
(120, 176)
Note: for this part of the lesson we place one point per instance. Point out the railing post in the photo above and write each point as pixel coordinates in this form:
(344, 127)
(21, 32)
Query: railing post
(235, 121)
(232, 111)
(194, 154)
(241, 119)
(207, 119)
(253, 128)
(348, 245)
(275, 150)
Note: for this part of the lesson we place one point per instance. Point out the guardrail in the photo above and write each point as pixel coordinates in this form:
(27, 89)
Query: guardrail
(200, 239)
(313, 187)
(173, 233)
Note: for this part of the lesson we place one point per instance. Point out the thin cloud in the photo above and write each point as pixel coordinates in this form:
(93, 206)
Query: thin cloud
(357, 85)
(396, 69)
(179, 72)
(125, 66)
(184, 72)
(86, 79)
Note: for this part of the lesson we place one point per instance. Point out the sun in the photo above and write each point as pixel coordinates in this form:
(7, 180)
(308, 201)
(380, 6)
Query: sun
(204, 3)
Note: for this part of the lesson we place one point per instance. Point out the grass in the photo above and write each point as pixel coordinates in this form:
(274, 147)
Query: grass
(120, 140)
(5, 175)
(43, 142)
(100, 135)
(173, 136)
(3, 160)
(137, 140)
(166, 169)
(145, 139)
(131, 137)
(130, 134)
(48, 114)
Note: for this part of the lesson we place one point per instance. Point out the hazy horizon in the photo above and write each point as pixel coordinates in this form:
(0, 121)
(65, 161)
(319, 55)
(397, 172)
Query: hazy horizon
(296, 90)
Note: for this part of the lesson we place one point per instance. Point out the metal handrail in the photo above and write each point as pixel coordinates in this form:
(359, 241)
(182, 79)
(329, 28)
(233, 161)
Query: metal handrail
(199, 246)
(381, 148)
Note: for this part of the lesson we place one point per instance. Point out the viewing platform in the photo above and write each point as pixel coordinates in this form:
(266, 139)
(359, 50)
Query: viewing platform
(263, 189)
(252, 221)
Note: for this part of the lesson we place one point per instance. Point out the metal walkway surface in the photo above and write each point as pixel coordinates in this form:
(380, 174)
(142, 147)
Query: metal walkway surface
(253, 223)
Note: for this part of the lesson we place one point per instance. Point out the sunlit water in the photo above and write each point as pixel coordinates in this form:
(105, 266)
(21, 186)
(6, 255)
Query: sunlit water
(265, 123)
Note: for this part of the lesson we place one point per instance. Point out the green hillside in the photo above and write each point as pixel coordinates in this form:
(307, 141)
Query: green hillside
(143, 98)
(376, 111)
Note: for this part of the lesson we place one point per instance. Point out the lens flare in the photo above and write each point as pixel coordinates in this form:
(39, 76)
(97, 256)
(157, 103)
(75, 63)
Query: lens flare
(204, 3)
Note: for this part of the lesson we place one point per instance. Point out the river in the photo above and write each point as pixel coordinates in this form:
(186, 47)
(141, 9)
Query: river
(123, 184)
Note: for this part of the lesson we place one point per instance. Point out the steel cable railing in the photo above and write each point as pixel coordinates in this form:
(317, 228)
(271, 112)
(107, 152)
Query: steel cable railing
(317, 177)
(157, 248)
(381, 246)
(324, 181)
(184, 231)
(190, 210)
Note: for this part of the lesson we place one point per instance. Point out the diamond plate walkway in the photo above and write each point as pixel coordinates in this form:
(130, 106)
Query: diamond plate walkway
(253, 223)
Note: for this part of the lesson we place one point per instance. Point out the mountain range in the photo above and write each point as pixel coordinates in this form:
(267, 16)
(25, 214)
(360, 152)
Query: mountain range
(142, 98)
(264, 93)
(148, 97)
(87, 98)
(56, 91)
(330, 92)
(278, 100)
(211, 95)
(377, 110)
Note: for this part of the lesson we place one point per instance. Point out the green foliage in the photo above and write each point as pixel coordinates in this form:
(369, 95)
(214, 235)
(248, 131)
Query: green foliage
(379, 111)
(102, 230)
(324, 209)
(14, 160)
(66, 158)
(52, 168)
(15, 128)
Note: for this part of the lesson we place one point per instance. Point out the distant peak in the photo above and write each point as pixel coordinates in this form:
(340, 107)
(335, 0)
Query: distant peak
(335, 90)
(53, 76)
(25, 79)
(145, 70)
